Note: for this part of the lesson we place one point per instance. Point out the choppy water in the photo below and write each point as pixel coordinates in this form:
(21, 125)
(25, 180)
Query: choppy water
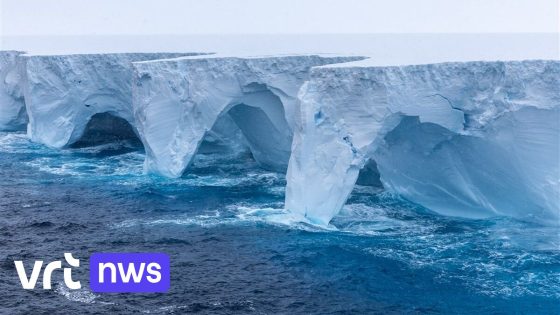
(233, 252)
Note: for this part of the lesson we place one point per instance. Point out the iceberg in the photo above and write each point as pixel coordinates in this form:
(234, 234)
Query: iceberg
(178, 101)
(469, 139)
(12, 107)
(63, 93)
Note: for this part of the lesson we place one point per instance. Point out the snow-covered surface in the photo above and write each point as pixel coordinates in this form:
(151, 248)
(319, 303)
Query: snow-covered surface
(62, 92)
(178, 101)
(468, 139)
(12, 107)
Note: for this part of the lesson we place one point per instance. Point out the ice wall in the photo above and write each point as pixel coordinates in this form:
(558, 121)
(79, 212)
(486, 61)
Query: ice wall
(471, 139)
(178, 101)
(12, 106)
(63, 92)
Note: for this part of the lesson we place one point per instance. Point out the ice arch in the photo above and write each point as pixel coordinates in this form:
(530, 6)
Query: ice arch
(259, 114)
(63, 92)
(507, 112)
(177, 101)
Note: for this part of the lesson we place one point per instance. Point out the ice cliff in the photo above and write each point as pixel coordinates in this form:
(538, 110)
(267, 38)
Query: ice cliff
(177, 102)
(63, 92)
(472, 139)
(12, 106)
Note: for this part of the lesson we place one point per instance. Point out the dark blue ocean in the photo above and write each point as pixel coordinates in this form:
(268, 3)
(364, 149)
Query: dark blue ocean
(233, 253)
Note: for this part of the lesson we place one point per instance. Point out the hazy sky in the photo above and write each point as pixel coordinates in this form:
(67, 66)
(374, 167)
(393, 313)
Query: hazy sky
(106, 17)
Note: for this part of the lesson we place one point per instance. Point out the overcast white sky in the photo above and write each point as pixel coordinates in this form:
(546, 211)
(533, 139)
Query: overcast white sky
(146, 17)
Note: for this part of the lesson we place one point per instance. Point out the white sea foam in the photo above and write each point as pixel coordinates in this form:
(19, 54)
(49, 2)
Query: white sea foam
(82, 295)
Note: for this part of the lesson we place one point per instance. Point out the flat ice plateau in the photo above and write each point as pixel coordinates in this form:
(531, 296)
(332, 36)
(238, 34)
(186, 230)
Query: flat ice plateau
(472, 138)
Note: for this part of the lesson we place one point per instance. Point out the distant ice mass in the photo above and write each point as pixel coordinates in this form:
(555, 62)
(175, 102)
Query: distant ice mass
(384, 49)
